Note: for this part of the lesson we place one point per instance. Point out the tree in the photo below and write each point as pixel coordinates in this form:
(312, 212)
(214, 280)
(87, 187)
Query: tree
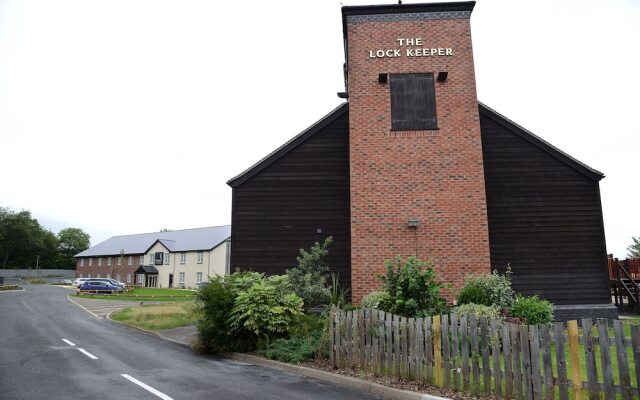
(71, 241)
(634, 249)
(23, 240)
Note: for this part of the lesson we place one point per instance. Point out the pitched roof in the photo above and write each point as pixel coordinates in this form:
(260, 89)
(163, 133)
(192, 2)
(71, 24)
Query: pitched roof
(288, 146)
(484, 110)
(540, 143)
(175, 241)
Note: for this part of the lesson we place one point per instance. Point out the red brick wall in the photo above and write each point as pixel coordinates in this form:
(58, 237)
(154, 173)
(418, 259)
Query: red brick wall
(435, 176)
(112, 269)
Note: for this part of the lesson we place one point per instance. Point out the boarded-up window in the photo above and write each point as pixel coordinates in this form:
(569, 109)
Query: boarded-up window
(413, 102)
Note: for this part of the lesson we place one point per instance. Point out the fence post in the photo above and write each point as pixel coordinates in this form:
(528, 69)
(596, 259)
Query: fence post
(332, 314)
(574, 358)
(437, 351)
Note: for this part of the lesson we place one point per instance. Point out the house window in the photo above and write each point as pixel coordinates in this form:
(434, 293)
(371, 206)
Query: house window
(120, 260)
(118, 277)
(109, 261)
(90, 261)
(200, 257)
(141, 279)
(130, 260)
(128, 278)
(413, 102)
(183, 258)
(82, 262)
(181, 278)
(108, 276)
(97, 275)
(100, 262)
(89, 276)
(80, 276)
(151, 259)
(166, 258)
(199, 277)
(159, 257)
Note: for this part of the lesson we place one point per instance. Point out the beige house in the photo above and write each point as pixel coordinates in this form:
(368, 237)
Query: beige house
(183, 258)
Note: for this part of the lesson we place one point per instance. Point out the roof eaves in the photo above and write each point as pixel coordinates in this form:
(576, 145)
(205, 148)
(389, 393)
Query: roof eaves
(288, 146)
(540, 143)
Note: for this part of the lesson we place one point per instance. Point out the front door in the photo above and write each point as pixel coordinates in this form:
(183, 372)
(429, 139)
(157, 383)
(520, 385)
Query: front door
(170, 280)
(152, 280)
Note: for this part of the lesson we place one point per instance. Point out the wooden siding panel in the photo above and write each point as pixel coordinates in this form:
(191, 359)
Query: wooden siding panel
(278, 211)
(545, 220)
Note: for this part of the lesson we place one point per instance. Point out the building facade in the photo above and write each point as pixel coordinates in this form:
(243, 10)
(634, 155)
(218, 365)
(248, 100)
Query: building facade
(413, 164)
(183, 258)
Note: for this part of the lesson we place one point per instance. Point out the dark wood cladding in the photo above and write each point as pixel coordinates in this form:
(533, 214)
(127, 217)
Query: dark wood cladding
(279, 209)
(545, 218)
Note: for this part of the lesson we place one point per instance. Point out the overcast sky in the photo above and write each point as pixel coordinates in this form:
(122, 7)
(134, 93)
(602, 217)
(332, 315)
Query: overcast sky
(129, 116)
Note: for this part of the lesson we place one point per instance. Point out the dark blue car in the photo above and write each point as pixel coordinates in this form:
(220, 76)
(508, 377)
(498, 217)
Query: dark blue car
(101, 286)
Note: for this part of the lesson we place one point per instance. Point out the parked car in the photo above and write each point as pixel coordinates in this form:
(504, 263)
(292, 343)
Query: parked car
(100, 286)
(78, 282)
(116, 283)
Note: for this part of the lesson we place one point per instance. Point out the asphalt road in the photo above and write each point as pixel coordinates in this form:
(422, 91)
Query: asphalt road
(52, 349)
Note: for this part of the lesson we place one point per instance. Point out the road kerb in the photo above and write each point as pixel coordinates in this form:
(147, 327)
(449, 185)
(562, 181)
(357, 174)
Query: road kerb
(342, 380)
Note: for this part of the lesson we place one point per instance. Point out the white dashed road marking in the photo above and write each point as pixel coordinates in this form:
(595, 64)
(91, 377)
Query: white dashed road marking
(68, 342)
(146, 387)
(86, 353)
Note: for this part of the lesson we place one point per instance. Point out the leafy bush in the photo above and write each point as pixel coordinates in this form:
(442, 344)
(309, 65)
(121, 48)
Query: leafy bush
(294, 350)
(214, 304)
(269, 307)
(412, 288)
(532, 310)
(337, 293)
(473, 294)
(373, 299)
(481, 310)
(489, 289)
(309, 278)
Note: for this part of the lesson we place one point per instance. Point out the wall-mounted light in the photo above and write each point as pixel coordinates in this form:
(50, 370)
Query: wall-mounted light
(382, 78)
(319, 231)
(442, 76)
(413, 223)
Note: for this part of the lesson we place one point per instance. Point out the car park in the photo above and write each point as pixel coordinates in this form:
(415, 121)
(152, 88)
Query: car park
(79, 281)
(100, 286)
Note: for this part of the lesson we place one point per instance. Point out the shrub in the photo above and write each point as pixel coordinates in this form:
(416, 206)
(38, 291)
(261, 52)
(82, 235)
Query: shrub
(473, 294)
(532, 310)
(489, 289)
(373, 299)
(481, 310)
(268, 308)
(337, 293)
(309, 278)
(214, 303)
(412, 288)
(294, 350)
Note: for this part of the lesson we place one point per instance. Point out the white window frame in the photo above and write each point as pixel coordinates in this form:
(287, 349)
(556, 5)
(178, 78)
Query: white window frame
(108, 276)
(90, 261)
(119, 260)
(142, 259)
(89, 276)
(80, 276)
(118, 276)
(200, 257)
(199, 277)
(181, 278)
(130, 260)
(183, 258)
(166, 258)
(128, 278)
(100, 262)
(152, 259)
(109, 261)
(82, 262)
(98, 276)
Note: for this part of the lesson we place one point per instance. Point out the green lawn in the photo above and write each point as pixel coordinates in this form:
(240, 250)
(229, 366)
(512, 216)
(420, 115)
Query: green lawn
(147, 294)
(158, 317)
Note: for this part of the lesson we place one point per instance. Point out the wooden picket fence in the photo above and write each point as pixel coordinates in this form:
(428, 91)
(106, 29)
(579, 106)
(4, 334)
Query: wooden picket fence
(467, 353)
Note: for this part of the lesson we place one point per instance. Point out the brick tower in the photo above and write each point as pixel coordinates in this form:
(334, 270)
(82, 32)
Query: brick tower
(417, 181)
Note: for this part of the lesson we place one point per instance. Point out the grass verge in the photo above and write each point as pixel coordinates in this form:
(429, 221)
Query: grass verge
(146, 294)
(158, 317)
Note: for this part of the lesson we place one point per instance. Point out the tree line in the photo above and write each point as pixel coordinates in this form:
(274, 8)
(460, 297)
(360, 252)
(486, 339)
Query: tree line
(24, 243)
